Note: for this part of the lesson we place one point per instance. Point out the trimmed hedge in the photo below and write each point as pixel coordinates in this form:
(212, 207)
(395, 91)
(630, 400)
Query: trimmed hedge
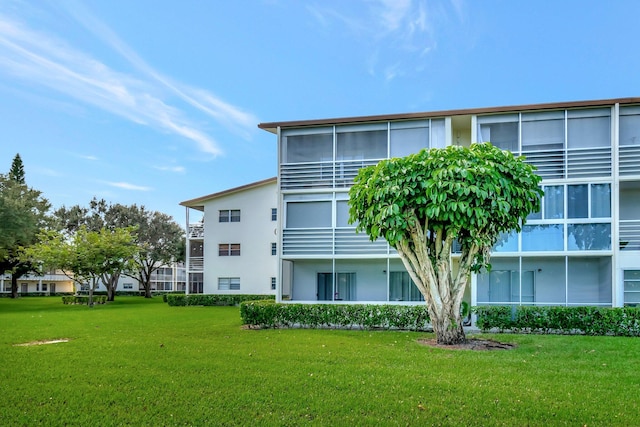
(618, 321)
(181, 300)
(81, 299)
(269, 314)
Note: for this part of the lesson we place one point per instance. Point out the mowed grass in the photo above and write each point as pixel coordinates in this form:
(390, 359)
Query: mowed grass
(141, 362)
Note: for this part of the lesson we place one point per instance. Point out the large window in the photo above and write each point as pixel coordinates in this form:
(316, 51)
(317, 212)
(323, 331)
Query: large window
(630, 125)
(589, 128)
(360, 143)
(228, 283)
(344, 290)
(589, 201)
(229, 215)
(408, 137)
(308, 147)
(500, 130)
(308, 214)
(402, 288)
(229, 249)
(543, 131)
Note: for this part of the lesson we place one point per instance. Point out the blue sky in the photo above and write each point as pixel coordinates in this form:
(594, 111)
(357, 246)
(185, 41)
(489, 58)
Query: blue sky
(155, 102)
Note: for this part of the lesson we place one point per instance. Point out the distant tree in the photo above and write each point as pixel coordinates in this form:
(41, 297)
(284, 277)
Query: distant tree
(86, 256)
(16, 173)
(23, 213)
(160, 240)
(424, 202)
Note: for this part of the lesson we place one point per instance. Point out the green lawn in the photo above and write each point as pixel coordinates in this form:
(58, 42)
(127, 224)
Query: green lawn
(141, 362)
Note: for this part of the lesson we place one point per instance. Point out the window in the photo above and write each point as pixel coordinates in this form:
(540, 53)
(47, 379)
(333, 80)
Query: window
(409, 137)
(273, 283)
(631, 287)
(553, 201)
(312, 147)
(229, 215)
(44, 287)
(589, 128)
(589, 237)
(402, 288)
(229, 249)
(543, 131)
(543, 237)
(127, 286)
(589, 201)
(630, 126)
(342, 214)
(308, 214)
(274, 249)
(274, 214)
(499, 130)
(359, 143)
(228, 283)
(345, 287)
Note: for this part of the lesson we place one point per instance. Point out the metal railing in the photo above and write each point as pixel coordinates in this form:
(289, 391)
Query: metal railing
(629, 160)
(196, 231)
(629, 235)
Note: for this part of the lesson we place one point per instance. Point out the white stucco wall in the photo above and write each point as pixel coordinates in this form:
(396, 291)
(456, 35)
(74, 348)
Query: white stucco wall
(255, 232)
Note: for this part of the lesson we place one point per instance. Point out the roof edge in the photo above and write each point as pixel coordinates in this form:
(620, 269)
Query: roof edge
(273, 126)
(197, 202)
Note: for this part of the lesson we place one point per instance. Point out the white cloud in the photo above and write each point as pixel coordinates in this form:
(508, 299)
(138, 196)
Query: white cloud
(397, 34)
(177, 169)
(45, 60)
(128, 186)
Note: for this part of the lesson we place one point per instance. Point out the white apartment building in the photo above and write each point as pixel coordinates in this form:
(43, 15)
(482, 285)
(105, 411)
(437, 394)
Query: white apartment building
(582, 248)
(234, 249)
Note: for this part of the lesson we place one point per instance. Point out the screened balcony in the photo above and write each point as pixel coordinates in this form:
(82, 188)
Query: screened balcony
(629, 231)
(329, 241)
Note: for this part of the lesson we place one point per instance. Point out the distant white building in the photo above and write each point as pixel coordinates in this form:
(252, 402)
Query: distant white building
(234, 250)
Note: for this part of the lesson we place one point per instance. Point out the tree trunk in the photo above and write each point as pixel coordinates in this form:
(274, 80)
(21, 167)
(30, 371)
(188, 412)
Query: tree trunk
(111, 293)
(147, 290)
(448, 327)
(14, 286)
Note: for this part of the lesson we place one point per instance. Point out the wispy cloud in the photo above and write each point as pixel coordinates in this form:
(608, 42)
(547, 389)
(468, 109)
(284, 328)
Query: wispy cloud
(42, 58)
(86, 157)
(128, 186)
(177, 169)
(398, 34)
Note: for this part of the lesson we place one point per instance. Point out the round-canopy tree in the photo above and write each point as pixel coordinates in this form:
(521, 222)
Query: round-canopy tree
(424, 202)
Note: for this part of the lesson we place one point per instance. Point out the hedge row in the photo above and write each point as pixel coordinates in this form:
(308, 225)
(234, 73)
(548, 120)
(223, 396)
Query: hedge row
(268, 314)
(623, 321)
(211, 300)
(81, 299)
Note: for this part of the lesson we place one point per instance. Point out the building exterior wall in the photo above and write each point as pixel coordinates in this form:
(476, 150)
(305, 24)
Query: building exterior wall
(582, 248)
(253, 269)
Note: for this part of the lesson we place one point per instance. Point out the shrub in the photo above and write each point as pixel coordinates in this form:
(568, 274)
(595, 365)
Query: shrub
(180, 300)
(269, 314)
(81, 299)
(617, 321)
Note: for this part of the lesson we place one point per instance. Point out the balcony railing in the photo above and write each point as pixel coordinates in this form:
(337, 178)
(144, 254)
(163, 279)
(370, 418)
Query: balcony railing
(327, 241)
(294, 176)
(629, 160)
(571, 163)
(630, 235)
(196, 263)
(196, 231)
(588, 162)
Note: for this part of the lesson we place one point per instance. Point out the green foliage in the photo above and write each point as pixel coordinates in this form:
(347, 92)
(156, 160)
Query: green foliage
(618, 321)
(160, 240)
(471, 194)
(79, 299)
(16, 173)
(269, 314)
(138, 362)
(182, 300)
